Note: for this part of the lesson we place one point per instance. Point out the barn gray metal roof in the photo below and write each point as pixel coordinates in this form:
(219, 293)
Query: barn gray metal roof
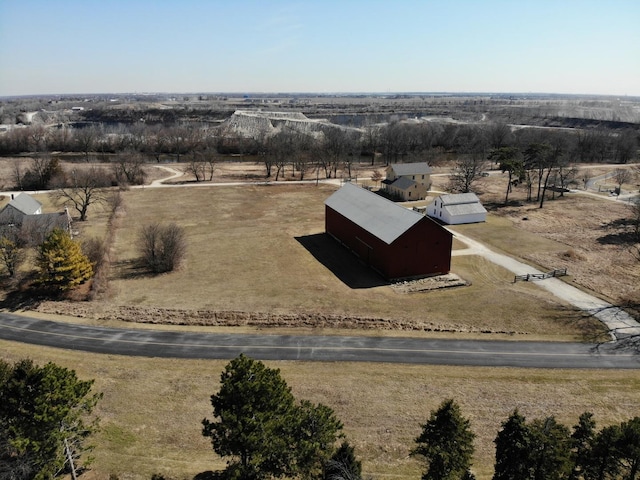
(376, 214)
(418, 168)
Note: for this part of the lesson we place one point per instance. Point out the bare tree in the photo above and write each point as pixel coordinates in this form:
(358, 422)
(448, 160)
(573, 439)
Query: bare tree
(162, 247)
(621, 176)
(465, 172)
(498, 135)
(86, 187)
(585, 176)
(202, 160)
(11, 252)
(634, 208)
(128, 168)
(86, 139)
(376, 177)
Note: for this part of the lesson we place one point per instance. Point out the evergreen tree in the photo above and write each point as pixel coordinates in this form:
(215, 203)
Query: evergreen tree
(315, 432)
(628, 447)
(513, 449)
(61, 262)
(262, 429)
(446, 443)
(604, 455)
(42, 420)
(343, 464)
(582, 440)
(550, 449)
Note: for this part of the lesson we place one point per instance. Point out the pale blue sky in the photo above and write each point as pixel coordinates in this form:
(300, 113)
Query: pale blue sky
(114, 46)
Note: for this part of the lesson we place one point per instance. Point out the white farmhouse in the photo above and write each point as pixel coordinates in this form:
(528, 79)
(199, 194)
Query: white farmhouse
(457, 208)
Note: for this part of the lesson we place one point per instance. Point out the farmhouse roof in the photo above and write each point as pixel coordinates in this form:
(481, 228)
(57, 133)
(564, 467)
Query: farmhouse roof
(403, 183)
(376, 214)
(26, 204)
(418, 168)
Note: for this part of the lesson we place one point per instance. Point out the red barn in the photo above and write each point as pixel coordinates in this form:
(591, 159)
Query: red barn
(397, 242)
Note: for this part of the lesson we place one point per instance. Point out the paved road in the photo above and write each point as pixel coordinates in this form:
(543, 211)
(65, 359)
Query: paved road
(176, 344)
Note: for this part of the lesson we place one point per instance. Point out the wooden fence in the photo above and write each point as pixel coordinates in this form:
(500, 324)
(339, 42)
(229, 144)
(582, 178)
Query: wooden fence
(561, 272)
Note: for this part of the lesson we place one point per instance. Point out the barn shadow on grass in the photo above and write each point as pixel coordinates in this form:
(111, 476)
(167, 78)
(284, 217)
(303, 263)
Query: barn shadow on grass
(341, 262)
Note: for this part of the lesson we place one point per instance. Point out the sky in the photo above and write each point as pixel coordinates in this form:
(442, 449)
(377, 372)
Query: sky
(322, 46)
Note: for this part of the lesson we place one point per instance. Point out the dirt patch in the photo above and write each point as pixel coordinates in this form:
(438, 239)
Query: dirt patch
(431, 283)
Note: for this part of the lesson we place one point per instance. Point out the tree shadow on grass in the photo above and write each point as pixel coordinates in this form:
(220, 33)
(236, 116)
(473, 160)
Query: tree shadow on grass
(131, 269)
(341, 262)
(210, 475)
(623, 233)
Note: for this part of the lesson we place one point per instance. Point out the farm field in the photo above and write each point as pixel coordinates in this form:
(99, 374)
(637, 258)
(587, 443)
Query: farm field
(261, 249)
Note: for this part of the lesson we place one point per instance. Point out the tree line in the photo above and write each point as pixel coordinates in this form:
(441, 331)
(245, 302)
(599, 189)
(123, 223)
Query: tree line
(396, 141)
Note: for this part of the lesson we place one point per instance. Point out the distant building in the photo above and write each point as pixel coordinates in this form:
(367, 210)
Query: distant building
(19, 206)
(457, 208)
(408, 181)
(24, 213)
(395, 241)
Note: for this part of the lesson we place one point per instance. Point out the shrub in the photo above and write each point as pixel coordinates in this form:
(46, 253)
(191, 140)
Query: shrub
(162, 247)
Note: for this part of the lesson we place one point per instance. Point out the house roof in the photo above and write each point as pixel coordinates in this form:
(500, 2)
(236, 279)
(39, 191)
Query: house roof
(26, 204)
(418, 168)
(376, 214)
(403, 183)
(459, 198)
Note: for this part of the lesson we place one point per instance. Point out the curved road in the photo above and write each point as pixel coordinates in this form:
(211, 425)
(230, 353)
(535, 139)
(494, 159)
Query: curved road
(175, 344)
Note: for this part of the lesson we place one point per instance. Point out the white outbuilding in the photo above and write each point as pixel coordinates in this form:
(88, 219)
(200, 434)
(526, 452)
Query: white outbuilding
(457, 208)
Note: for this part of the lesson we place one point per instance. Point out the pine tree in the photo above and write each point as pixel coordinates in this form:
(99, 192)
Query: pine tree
(513, 449)
(446, 443)
(262, 430)
(343, 464)
(582, 440)
(43, 420)
(61, 262)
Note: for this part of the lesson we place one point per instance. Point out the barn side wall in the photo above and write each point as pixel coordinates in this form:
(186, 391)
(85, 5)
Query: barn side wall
(425, 249)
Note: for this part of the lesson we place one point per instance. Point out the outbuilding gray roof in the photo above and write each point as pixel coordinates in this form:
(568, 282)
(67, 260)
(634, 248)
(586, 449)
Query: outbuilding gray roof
(464, 209)
(459, 198)
(375, 214)
(418, 168)
(26, 204)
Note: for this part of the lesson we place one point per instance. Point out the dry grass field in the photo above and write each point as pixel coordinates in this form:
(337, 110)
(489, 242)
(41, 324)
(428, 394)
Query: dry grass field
(152, 408)
(261, 249)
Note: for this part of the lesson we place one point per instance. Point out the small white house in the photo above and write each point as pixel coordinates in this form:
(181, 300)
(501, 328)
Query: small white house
(457, 208)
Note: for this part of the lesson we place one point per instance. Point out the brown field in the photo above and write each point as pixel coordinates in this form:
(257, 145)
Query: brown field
(259, 249)
(152, 408)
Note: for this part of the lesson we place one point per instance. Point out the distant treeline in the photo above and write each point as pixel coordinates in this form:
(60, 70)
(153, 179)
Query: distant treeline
(395, 141)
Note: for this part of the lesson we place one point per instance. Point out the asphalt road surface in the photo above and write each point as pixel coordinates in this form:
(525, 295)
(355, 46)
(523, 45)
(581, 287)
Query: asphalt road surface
(175, 344)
